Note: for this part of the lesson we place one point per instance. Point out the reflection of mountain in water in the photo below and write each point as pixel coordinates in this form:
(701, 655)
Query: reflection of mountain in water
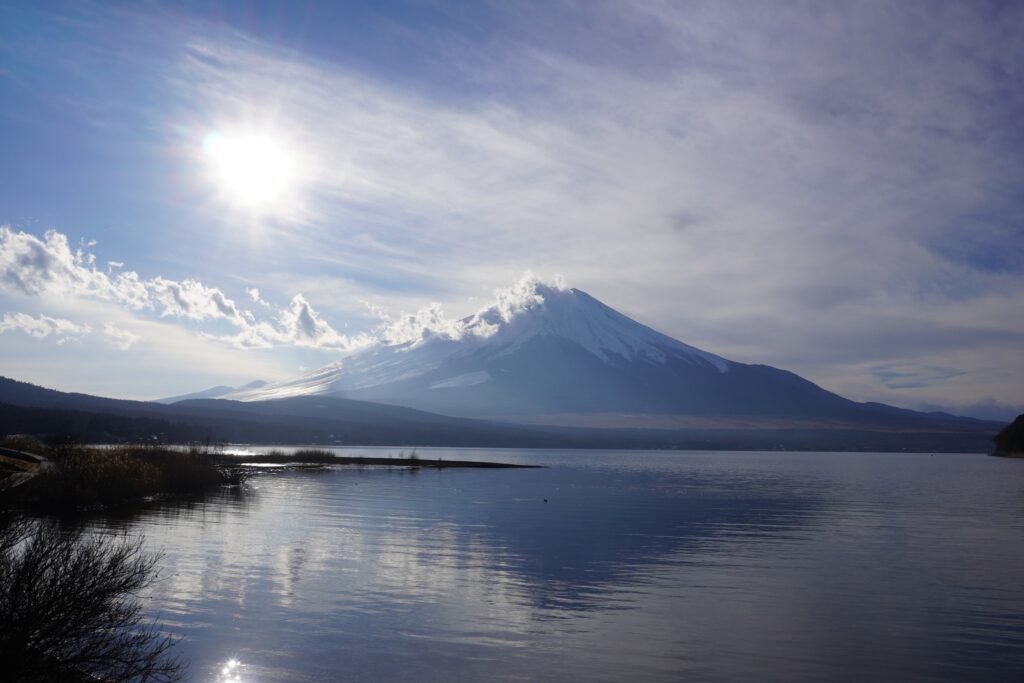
(600, 530)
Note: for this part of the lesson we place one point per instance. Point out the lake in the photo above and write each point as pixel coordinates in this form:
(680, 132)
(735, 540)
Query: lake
(604, 566)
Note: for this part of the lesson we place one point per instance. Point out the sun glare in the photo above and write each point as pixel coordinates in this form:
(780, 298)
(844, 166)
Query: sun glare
(251, 169)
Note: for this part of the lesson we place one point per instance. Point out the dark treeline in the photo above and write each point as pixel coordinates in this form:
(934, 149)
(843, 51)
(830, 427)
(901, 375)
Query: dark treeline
(1010, 441)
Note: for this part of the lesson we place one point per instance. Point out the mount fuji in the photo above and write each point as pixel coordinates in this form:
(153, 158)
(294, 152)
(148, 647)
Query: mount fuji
(554, 355)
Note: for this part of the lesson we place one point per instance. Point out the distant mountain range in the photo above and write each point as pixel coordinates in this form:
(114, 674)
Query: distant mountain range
(214, 392)
(49, 414)
(544, 367)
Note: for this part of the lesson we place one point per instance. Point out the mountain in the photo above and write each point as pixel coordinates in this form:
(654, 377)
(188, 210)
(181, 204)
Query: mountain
(46, 413)
(214, 392)
(549, 355)
(49, 414)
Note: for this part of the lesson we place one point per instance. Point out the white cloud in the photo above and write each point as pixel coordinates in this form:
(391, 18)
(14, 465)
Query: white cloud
(122, 339)
(37, 266)
(63, 330)
(193, 300)
(431, 321)
(42, 326)
(303, 326)
(48, 267)
(298, 325)
(254, 296)
(427, 322)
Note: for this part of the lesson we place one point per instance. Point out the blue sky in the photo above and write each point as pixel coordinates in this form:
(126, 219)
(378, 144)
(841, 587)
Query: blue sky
(834, 189)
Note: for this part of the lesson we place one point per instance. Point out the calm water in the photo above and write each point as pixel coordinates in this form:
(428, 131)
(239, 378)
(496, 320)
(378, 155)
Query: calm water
(639, 566)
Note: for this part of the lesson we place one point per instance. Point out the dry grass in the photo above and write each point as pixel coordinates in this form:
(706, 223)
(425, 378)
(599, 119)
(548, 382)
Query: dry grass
(80, 477)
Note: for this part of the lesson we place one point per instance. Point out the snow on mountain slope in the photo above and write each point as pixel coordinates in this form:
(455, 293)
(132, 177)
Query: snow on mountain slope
(529, 311)
(576, 316)
(213, 392)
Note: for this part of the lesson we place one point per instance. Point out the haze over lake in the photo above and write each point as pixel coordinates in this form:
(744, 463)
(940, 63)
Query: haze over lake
(603, 566)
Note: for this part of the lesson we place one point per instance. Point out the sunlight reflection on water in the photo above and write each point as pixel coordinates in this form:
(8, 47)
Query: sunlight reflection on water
(231, 672)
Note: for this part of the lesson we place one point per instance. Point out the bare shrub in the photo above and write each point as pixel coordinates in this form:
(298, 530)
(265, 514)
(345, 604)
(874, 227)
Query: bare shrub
(69, 608)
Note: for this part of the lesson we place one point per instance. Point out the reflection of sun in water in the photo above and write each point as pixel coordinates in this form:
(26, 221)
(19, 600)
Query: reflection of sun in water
(230, 673)
(252, 169)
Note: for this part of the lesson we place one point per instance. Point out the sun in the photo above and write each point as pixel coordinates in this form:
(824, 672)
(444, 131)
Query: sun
(251, 169)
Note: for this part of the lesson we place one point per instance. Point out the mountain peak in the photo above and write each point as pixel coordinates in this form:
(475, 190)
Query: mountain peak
(532, 314)
(534, 308)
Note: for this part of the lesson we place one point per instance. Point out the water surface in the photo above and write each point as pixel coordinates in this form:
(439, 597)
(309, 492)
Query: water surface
(605, 566)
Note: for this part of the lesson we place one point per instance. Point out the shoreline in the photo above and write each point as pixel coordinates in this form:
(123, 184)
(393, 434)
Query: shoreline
(82, 477)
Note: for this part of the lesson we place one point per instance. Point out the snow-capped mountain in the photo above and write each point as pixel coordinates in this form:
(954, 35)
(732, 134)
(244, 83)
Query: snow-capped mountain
(543, 350)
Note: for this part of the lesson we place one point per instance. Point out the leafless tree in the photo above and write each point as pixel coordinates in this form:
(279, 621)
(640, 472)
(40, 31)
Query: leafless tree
(70, 608)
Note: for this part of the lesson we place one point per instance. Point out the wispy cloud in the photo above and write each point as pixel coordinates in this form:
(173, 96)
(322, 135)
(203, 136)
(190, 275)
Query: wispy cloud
(64, 331)
(806, 171)
(42, 327)
(914, 376)
(121, 338)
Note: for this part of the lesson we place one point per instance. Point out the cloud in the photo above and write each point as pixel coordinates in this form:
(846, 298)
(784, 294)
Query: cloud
(37, 266)
(914, 376)
(254, 296)
(193, 300)
(122, 339)
(300, 324)
(523, 295)
(48, 267)
(42, 326)
(431, 321)
(63, 330)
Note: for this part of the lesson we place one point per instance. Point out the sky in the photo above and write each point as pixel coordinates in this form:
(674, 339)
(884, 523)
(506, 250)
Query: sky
(194, 194)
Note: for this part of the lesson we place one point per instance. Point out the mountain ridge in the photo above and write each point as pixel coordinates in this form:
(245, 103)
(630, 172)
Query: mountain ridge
(54, 415)
(218, 391)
